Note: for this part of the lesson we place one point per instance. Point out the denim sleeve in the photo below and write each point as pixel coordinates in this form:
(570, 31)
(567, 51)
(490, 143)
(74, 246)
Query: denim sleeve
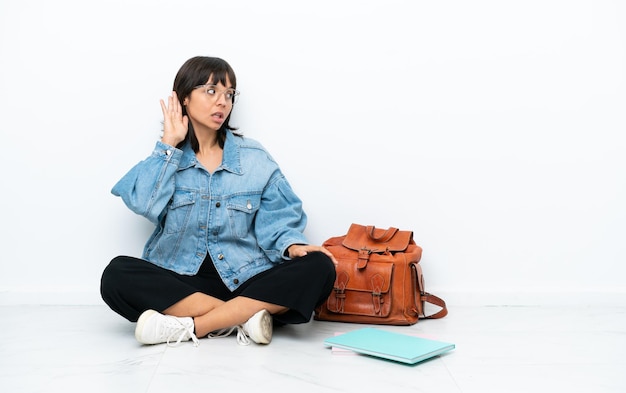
(280, 221)
(147, 188)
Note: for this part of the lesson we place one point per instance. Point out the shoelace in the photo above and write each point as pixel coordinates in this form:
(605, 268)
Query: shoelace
(181, 329)
(242, 337)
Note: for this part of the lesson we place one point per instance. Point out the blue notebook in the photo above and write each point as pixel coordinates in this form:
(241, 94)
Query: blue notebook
(389, 345)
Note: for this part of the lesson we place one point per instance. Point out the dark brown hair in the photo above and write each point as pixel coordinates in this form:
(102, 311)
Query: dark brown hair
(197, 71)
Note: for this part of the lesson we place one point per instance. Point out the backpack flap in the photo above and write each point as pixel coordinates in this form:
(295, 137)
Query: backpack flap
(376, 240)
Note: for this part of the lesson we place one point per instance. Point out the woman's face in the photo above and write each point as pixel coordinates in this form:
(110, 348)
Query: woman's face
(208, 106)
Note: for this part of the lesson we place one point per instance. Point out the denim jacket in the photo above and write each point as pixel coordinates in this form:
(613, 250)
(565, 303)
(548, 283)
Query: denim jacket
(244, 214)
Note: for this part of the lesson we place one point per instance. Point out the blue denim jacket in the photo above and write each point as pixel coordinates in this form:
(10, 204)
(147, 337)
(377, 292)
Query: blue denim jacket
(244, 214)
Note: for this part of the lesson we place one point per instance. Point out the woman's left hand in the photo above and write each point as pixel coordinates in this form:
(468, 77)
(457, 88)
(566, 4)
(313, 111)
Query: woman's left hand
(300, 250)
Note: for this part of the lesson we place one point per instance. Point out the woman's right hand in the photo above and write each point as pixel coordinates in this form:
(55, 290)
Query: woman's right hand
(175, 125)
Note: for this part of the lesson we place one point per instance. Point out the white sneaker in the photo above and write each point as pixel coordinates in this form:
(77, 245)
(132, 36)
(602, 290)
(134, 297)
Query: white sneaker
(242, 339)
(156, 328)
(259, 327)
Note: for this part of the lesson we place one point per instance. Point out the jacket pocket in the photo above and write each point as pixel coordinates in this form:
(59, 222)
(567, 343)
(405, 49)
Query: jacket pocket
(179, 211)
(241, 211)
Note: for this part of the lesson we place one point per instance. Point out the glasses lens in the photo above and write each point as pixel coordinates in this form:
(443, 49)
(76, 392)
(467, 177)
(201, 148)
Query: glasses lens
(232, 95)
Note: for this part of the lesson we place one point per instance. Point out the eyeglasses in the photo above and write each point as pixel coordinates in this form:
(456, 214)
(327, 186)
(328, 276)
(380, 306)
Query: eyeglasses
(211, 91)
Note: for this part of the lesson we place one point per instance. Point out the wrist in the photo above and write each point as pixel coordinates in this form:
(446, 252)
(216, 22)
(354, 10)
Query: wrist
(169, 141)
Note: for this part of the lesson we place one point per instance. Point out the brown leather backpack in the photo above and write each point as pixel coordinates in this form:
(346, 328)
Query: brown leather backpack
(379, 279)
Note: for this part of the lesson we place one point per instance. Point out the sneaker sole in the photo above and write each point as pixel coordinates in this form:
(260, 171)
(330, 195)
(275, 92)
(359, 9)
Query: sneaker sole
(264, 336)
(140, 325)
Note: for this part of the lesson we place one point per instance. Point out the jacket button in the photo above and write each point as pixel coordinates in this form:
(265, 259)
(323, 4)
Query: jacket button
(221, 256)
(218, 204)
(236, 281)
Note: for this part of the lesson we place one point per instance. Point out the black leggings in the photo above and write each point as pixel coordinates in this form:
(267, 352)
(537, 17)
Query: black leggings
(131, 285)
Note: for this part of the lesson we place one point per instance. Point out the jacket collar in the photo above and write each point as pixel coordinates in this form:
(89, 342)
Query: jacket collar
(231, 160)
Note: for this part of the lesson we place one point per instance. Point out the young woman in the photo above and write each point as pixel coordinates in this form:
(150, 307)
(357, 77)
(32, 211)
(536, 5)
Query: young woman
(228, 252)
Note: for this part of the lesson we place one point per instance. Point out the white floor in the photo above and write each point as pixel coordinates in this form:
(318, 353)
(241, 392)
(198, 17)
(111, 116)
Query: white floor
(498, 349)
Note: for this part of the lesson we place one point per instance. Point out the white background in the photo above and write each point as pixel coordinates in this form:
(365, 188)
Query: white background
(492, 129)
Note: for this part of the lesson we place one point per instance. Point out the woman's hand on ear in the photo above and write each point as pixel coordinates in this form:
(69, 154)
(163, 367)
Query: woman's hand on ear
(175, 125)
